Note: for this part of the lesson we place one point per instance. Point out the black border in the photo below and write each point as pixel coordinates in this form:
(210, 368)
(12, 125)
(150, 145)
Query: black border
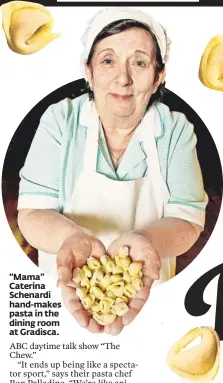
(200, 3)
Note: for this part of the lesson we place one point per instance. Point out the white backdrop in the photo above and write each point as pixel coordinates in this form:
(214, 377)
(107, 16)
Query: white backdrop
(25, 80)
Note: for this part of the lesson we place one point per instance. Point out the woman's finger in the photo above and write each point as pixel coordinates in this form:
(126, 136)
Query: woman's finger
(147, 281)
(151, 270)
(150, 258)
(114, 247)
(136, 305)
(98, 248)
(94, 326)
(65, 266)
(114, 328)
(75, 307)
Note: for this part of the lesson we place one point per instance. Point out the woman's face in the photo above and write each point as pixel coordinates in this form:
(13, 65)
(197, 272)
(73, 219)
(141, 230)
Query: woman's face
(122, 74)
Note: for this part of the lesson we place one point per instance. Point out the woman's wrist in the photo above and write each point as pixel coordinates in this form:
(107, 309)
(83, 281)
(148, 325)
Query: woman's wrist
(171, 236)
(144, 233)
(71, 229)
(47, 229)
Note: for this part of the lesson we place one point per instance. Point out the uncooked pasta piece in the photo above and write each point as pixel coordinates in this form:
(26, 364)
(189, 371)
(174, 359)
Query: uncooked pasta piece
(27, 26)
(199, 363)
(211, 65)
(120, 308)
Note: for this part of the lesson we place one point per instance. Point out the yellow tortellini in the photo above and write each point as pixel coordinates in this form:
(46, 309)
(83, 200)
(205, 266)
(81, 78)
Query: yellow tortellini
(200, 362)
(27, 26)
(211, 65)
(106, 286)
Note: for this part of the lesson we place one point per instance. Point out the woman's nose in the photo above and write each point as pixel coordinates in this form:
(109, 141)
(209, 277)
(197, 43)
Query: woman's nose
(124, 76)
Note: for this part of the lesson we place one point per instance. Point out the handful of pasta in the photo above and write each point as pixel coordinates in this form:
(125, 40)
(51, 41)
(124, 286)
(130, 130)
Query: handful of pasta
(106, 286)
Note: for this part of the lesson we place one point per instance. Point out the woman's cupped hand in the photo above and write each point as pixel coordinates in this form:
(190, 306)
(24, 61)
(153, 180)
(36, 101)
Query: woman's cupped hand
(141, 250)
(74, 253)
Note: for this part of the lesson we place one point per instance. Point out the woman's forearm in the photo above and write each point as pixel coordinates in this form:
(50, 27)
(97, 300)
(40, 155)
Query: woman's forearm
(171, 236)
(45, 229)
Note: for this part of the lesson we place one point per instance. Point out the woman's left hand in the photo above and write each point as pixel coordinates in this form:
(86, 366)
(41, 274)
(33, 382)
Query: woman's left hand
(140, 249)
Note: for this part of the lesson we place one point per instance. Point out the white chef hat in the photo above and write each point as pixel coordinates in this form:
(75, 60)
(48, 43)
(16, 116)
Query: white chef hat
(109, 15)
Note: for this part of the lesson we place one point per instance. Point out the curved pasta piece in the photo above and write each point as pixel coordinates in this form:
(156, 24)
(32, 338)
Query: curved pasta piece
(211, 65)
(27, 26)
(200, 362)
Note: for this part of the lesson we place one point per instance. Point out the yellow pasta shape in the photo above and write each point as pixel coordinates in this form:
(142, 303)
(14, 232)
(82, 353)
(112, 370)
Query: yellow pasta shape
(123, 298)
(120, 308)
(117, 260)
(88, 301)
(116, 278)
(137, 283)
(85, 282)
(104, 259)
(127, 277)
(95, 307)
(97, 292)
(108, 318)
(117, 288)
(97, 277)
(134, 268)
(94, 263)
(106, 304)
(123, 251)
(129, 291)
(27, 26)
(81, 292)
(78, 275)
(106, 281)
(104, 319)
(110, 294)
(110, 265)
(87, 271)
(124, 262)
(199, 363)
(118, 270)
(211, 64)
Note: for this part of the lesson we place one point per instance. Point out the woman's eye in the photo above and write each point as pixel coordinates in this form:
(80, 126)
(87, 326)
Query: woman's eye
(140, 63)
(107, 61)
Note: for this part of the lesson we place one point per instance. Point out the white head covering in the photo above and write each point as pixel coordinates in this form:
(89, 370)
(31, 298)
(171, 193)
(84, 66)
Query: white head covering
(109, 15)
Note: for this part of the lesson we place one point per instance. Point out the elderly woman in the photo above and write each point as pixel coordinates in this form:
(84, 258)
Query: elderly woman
(114, 167)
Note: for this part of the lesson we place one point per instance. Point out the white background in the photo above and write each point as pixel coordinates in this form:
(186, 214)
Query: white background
(25, 80)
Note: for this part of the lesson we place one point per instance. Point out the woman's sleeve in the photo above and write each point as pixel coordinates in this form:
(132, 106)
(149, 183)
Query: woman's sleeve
(184, 178)
(39, 185)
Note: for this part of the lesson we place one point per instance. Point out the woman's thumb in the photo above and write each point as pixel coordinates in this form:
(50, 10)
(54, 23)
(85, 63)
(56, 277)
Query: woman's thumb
(98, 248)
(65, 266)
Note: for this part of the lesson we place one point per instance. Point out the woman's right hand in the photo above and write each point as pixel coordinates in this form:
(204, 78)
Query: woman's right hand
(73, 253)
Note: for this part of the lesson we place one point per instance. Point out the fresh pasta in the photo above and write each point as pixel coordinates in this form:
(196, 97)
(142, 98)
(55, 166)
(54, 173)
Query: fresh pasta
(106, 286)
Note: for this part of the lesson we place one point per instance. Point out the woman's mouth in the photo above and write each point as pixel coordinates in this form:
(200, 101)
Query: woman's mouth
(120, 97)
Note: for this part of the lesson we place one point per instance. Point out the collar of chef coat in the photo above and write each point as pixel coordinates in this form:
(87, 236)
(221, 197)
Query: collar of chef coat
(134, 154)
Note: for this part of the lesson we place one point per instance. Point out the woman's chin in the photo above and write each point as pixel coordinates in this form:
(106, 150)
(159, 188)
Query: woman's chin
(121, 113)
(121, 110)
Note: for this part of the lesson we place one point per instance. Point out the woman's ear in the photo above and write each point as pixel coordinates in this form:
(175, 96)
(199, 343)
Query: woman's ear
(160, 80)
(162, 76)
(88, 73)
